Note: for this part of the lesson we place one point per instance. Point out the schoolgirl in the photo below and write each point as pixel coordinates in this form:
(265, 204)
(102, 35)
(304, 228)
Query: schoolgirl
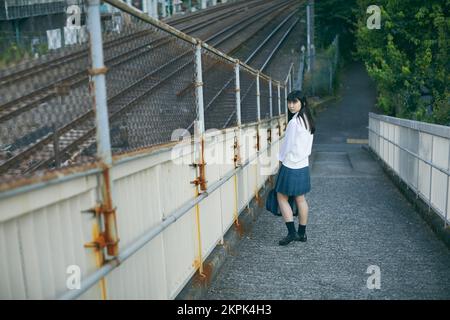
(293, 176)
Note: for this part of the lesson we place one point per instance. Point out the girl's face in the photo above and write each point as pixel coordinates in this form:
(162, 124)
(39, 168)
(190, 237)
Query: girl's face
(294, 106)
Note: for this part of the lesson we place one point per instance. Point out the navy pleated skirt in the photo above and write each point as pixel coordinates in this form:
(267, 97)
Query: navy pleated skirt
(293, 182)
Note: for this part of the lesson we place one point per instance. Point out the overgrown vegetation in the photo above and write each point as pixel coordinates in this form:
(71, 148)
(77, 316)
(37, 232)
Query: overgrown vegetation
(11, 52)
(407, 57)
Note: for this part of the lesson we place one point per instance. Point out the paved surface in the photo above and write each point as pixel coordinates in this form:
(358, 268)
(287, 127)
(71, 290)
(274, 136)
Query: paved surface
(357, 218)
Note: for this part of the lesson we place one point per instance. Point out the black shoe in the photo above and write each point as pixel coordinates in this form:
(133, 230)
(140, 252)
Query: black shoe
(301, 238)
(288, 239)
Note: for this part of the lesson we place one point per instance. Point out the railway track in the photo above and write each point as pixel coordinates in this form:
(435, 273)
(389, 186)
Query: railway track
(187, 24)
(79, 134)
(50, 90)
(259, 59)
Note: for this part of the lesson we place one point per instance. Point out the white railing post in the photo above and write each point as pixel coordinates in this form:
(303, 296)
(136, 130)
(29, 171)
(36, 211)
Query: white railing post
(238, 93)
(290, 82)
(98, 76)
(97, 72)
(270, 97)
(431, 173)
(285, 101)
(199, 146)
(448, 191)
(258, 99)
(199, 89)
(279, 98)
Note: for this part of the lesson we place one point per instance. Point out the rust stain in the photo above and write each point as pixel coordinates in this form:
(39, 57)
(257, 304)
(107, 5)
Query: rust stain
(111, 238)
(47, 176)
(202, 164)
(271, 181)
(259, 200)
(203, 280)
(144, 150)
(240, 229)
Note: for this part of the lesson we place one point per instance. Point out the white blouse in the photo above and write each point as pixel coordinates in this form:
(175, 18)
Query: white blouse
(297, 144)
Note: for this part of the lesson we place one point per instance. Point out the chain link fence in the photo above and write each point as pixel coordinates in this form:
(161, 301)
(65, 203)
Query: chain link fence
(47, 114)
(320, 80)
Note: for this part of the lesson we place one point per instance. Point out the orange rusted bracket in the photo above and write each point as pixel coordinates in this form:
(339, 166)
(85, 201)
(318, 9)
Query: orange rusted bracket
(109, 215)
(257, 141)
(237, 157)
(104, 239)
(269, 135)
(201, 179)
(279, 128)
(95, 210)
(98, 243)
(94, 72)
(258, 145)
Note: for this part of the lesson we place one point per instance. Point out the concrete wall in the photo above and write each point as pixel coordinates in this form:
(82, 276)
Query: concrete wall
(419, 153)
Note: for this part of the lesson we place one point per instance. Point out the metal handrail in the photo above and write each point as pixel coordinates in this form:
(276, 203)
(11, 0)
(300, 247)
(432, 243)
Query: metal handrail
(124, 254)
(445, 171)
(426, 198)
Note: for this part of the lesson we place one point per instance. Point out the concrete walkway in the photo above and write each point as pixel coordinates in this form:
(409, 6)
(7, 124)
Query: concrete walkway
(357, 218)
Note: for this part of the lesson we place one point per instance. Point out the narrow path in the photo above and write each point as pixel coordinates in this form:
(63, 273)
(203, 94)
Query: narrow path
(357, 218)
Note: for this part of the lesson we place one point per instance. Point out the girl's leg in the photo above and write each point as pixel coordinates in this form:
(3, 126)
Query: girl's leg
(285, 208)
(288, 217)
(302, 206)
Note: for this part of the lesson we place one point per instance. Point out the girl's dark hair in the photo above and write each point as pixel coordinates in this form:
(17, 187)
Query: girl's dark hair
(295, 96)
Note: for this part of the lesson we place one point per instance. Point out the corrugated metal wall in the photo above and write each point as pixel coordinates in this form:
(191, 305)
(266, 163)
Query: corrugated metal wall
(43, 231)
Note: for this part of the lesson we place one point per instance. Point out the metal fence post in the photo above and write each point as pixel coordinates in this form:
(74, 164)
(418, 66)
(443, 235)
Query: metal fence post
(238, 93)
(285, 101)
(301, 70)
(290, 82)
(199, 130)
(448, 185)
(291, 71)
(257, 147)
(237, 139)
(418, 168)
(279, 98)
(431, 173)
(199, 89)
(258, 99)
(102, 124)
(270, 97)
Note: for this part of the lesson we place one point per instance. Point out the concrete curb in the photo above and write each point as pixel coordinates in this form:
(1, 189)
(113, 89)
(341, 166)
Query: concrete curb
(197, 286)
(432, 218)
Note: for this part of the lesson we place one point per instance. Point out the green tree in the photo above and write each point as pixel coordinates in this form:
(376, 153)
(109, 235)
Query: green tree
(408, 57)
(334, 17)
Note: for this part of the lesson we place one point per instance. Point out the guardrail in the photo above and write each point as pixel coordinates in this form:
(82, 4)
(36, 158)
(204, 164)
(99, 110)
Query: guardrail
(419, 154)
